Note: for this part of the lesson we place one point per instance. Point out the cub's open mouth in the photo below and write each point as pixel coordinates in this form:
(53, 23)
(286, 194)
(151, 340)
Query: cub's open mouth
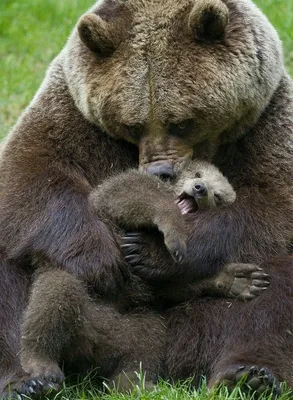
(186, 203)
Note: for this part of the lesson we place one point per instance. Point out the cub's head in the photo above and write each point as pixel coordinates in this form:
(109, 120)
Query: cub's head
(201, 185)
(170, 76)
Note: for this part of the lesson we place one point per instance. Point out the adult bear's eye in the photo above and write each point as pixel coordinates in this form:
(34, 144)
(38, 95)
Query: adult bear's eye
(181, 128)
(134, 132)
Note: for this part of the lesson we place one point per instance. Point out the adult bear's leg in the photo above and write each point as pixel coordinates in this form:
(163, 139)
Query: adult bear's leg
(225, 339)
(62, 323)
(14, 286)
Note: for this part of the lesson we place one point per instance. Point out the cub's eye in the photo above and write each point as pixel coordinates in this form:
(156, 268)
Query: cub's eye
(198, 175)
(218, 198)
(180, 129)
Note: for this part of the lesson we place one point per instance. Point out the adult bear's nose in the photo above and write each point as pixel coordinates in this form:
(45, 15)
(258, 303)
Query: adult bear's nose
(162, 170)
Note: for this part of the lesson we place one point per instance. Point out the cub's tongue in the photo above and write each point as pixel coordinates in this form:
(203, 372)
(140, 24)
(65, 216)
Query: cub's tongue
(186, 204)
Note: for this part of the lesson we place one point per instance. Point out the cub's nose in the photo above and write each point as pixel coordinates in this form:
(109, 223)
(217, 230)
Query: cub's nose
(162, 170)
(200, 189)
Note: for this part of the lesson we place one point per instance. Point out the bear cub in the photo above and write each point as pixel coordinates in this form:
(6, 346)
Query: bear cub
(134, 200)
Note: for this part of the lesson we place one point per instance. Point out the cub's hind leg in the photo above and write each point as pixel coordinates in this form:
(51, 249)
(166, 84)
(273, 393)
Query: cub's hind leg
(51, 322)
(62, 323)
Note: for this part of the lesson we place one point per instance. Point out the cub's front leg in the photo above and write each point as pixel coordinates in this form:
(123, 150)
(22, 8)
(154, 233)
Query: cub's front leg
(134, 200)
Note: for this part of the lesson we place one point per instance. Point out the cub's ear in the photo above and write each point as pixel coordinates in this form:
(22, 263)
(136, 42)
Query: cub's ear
(97, 34)
(208, 20)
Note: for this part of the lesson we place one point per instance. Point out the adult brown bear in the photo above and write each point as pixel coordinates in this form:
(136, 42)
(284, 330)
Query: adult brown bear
(166, 79)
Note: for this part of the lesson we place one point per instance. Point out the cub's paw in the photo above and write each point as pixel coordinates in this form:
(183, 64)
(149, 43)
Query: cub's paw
(259, 380)
(250, 281)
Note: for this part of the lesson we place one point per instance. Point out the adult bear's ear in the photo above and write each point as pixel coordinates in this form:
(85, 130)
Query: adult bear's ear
(208, 20)
(97, 34)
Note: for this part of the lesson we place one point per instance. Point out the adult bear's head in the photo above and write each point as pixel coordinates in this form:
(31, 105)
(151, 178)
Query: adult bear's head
(170, 75)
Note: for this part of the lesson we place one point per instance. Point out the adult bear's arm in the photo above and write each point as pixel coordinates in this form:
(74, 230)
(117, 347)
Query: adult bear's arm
(52, 159)
(45, 212)
(250, 230)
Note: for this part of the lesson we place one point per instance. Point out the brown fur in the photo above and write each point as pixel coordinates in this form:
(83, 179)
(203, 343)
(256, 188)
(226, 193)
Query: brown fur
(83, 334)
(64, 330)
(170, 94)
(136, 209)
(86, 333)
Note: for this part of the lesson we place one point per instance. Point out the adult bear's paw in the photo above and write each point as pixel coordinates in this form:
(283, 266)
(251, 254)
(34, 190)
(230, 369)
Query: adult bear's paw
(147, 256)
(256, 379)
(34, 387)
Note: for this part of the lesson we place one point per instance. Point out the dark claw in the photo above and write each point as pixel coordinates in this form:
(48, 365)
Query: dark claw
(257, 275)
(177, 257)
(262, 372)
(130, 241)
(127, 246)
(130, 257)
(259, 380)
(257, 290)
(132, 234)
(31, 390)
(258, 282)
(249, 296)
(129, 249)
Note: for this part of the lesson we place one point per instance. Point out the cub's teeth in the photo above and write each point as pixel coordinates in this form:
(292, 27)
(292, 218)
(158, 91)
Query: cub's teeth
(185, 209)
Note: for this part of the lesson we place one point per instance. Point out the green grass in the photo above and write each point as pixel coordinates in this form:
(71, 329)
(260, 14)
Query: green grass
(31, 33)
(86, 390)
